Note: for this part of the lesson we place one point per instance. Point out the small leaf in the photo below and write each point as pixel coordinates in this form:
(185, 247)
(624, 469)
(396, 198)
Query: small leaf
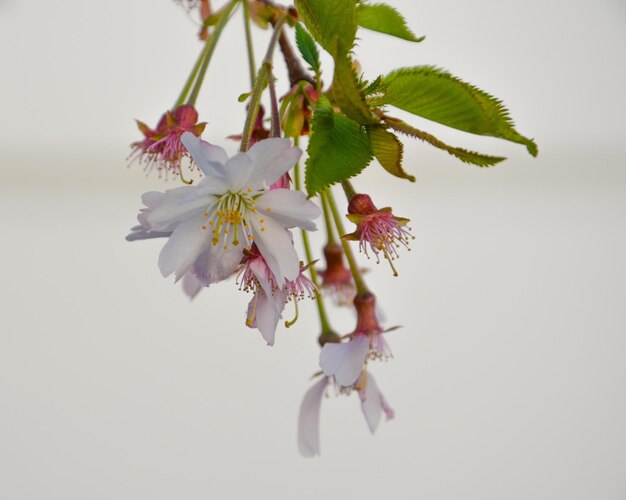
(388, 150)
(437, 95)
(348, 93)
(462, 154)
(330, 21)
(338, 149)
(244, 97)
(373, 87)
(385, 19)
(308, 48)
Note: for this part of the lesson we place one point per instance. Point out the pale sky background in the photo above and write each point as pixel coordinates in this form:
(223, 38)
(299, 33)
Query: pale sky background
(508, 379)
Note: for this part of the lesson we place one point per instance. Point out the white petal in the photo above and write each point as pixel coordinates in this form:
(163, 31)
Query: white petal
(272, 158)
(191, 285)
(289, 208)
(260, 271)
(345, 361)
(216, 264)
(174, 206)
(187, 242)
(238, 170)
(265, 315)
(276, 247)
(211, 185)
(139, 233)
(371, 403)
(380, 346)
(209, 158)
(309, 419)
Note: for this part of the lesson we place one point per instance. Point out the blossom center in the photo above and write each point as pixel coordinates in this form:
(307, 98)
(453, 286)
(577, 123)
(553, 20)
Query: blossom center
(228, 219)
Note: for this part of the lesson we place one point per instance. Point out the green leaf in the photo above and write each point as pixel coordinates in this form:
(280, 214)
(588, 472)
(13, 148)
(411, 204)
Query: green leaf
(330, 22)
(385, 19)
(462, 154)
(388, 151)
(308, 48)
(347, 92)
(338, 149)
(437, 95)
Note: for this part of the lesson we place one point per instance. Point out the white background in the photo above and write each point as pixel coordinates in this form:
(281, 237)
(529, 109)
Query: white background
(509, 376)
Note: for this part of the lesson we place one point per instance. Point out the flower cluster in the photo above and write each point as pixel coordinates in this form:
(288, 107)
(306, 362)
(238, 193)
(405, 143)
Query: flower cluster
(236, 218)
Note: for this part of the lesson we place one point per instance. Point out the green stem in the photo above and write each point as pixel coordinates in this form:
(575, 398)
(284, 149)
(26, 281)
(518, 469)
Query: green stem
(327, 331)
(348, 188)
(262, 78)
(246, 22)
(328, 223)
(361, 287)
(192, 76)
(211, 44)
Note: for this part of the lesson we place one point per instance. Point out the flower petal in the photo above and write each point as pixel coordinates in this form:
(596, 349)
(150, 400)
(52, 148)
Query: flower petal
(139, 233)
(272, 158)
(371, 403)
(276, 247)
(187, 242)
(191, 285)
(345, 361)
(289, 208)
(174, 206)
(209, 158)
(309, 419)
(238, 170)
(262, 313)
(216, 263)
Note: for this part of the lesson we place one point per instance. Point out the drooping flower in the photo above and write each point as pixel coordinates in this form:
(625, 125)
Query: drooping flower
(161, 148)
(336, 278)
(373, 405)
(267, 305)
(211, 223)
(345, 361)
(377, 229)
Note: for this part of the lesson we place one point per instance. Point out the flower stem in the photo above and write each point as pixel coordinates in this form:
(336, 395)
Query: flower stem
(192, 77)
(328, 222)
(250, 48)
(274, 106)
(327, 332)
(348, 189)
(262, 78)
(210, 48)
(361, 287)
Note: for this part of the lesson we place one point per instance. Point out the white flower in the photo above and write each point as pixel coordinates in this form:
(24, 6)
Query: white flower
(345, 361)
(230, 208)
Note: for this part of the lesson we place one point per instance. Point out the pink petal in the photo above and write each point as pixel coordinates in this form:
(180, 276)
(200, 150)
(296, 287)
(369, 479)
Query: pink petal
(309, 419)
